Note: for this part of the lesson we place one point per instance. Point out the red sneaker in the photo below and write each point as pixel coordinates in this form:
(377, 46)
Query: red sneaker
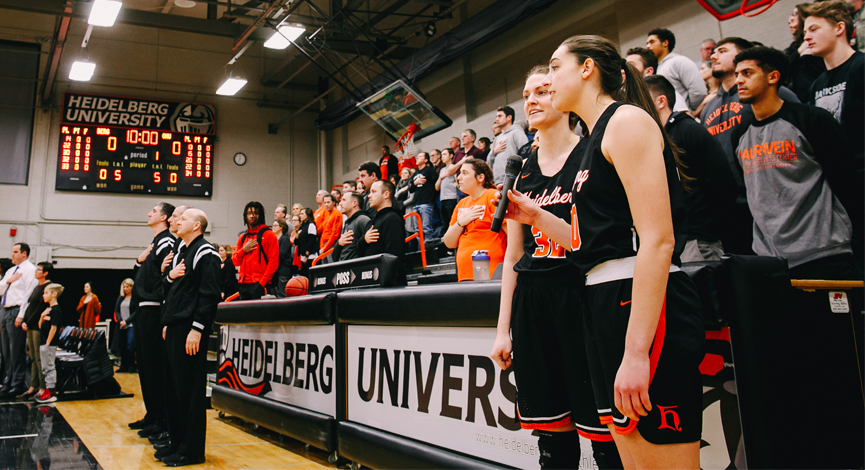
(47, 397)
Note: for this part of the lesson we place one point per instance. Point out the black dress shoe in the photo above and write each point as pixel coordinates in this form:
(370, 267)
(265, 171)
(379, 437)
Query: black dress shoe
(11, 394)
(26, 394)
(162, 444)
(154, 438)
(140, 424)
(150, 431)
(162, 453)
(178, 460)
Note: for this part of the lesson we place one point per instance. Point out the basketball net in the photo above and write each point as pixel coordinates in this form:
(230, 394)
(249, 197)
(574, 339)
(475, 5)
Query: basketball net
(405, 145)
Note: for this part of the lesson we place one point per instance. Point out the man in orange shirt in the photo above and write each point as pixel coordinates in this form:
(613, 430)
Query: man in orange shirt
(332, 225)
(319, 214)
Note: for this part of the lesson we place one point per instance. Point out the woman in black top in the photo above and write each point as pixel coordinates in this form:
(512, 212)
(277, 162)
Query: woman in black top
(643, 325)
(307, 241)
(228, 276)
(804, 67)
(283, 273)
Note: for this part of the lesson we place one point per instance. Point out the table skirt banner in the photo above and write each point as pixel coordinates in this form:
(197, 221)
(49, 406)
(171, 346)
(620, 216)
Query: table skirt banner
(286, 363)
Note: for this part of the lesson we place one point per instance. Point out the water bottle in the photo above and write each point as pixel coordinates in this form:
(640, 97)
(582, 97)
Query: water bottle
(481, 265)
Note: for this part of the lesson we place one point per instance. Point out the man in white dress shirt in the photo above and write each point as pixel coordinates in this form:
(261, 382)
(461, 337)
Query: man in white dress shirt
(15, 288)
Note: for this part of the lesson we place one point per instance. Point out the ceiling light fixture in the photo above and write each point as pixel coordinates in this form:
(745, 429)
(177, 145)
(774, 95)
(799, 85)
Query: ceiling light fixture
(104, 12)
(284, 36)
(184, 3)
(82, 71)
(430, 29)
(231, 86)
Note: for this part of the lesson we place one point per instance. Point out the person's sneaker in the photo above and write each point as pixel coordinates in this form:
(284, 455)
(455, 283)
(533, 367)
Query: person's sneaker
(162, 453)
(47, 397)
(140, 424)
(150, 431)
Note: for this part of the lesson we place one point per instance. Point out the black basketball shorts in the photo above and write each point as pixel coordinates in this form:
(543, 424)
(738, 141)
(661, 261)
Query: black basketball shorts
(675, 388)
(549, 358)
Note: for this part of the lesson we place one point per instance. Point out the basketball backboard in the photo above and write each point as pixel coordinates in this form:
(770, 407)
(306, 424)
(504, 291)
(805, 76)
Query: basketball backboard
(397, 107)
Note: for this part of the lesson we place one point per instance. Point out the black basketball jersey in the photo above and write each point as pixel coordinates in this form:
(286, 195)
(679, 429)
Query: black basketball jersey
(541, 255)
(601, 225)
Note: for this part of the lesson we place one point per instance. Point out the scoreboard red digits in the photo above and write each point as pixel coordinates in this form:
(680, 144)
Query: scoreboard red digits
(129, 145)
(108, 159)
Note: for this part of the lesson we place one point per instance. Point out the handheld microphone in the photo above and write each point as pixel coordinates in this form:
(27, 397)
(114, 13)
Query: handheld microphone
(512, 169)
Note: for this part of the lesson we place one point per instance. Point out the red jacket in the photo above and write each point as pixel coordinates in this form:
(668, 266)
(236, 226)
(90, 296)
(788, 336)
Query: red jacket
(252, 265)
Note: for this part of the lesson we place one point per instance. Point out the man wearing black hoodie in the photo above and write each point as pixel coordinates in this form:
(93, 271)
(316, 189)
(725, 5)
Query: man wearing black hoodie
(387, 231)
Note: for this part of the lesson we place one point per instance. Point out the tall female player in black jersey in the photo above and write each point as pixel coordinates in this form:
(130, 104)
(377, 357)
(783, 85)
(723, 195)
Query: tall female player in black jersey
(540, 291)
(643, 324)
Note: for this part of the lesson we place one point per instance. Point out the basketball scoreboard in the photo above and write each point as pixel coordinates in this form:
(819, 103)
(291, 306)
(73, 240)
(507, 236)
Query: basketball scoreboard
(136, 160)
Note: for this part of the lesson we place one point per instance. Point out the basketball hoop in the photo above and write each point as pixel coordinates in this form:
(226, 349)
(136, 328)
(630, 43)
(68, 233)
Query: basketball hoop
(405, 145)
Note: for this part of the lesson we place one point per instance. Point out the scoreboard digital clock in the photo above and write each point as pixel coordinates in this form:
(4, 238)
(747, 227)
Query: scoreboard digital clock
(100, 152)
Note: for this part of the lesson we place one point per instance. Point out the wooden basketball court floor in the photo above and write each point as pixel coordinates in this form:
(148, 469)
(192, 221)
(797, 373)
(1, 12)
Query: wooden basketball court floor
(97, 436)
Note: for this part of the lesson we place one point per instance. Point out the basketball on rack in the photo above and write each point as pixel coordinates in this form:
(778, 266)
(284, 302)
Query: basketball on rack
(298, 285)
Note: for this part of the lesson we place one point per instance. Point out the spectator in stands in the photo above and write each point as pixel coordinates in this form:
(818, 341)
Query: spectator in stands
(424, 189)
(295, 256)
(296, 208)
(407, 160)
(454, 144)
(447, 185)
(126, 340)
(256, 254)
(50, 321)
(711, 187)
(283, 272)
(228, 276)
(30, 323)
(706, 49)
(348, 185)
(470, 223)
(395, 179)
(484, 145)
(681, 72)
(805, 67)
(858, 24)
(14, 290)
(89, 308)
(307, 240)
(646, 63)
(388, 163)
(468, 149)
(368, 173)
(435, 159)
(405, 198)
(712, 86)
(841, 89)
(386, 233)
(280, 212)
(332, 225)
(801, 152)
(356, 223)
(336, 193)
(719, 116)
(319, 216)
(505, 144)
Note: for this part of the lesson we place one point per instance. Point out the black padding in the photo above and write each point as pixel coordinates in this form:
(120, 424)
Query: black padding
(707, 277)
(797, 376)
(315, 429)
(381, 271)
(457, 305)
(378, 449)
(303, 310)
(436, 278)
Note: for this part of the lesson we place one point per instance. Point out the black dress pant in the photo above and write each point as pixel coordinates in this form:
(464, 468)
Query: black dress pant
(150, 356)
(186, 378)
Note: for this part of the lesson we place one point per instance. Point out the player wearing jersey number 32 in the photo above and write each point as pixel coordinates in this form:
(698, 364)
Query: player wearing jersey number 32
(541, 300)
(643, 325)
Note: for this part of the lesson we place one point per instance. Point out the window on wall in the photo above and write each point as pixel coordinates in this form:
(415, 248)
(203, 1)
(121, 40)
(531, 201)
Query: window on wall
(18, 82)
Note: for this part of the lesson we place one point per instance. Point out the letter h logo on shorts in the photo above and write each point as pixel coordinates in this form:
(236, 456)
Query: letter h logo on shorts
(665, 411)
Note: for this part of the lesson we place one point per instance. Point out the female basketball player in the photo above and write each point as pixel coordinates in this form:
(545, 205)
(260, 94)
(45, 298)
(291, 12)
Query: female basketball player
(540, 291)
(643, 325)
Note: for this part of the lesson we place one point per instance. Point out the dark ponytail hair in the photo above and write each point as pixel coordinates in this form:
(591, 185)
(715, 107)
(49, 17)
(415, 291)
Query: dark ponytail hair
(633, 89)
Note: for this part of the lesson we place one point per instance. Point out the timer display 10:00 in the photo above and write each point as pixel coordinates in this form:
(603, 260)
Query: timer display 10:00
(102, 159)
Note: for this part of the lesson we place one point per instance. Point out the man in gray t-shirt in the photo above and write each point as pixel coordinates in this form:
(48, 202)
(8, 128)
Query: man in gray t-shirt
(506, 144)
(447, 186)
